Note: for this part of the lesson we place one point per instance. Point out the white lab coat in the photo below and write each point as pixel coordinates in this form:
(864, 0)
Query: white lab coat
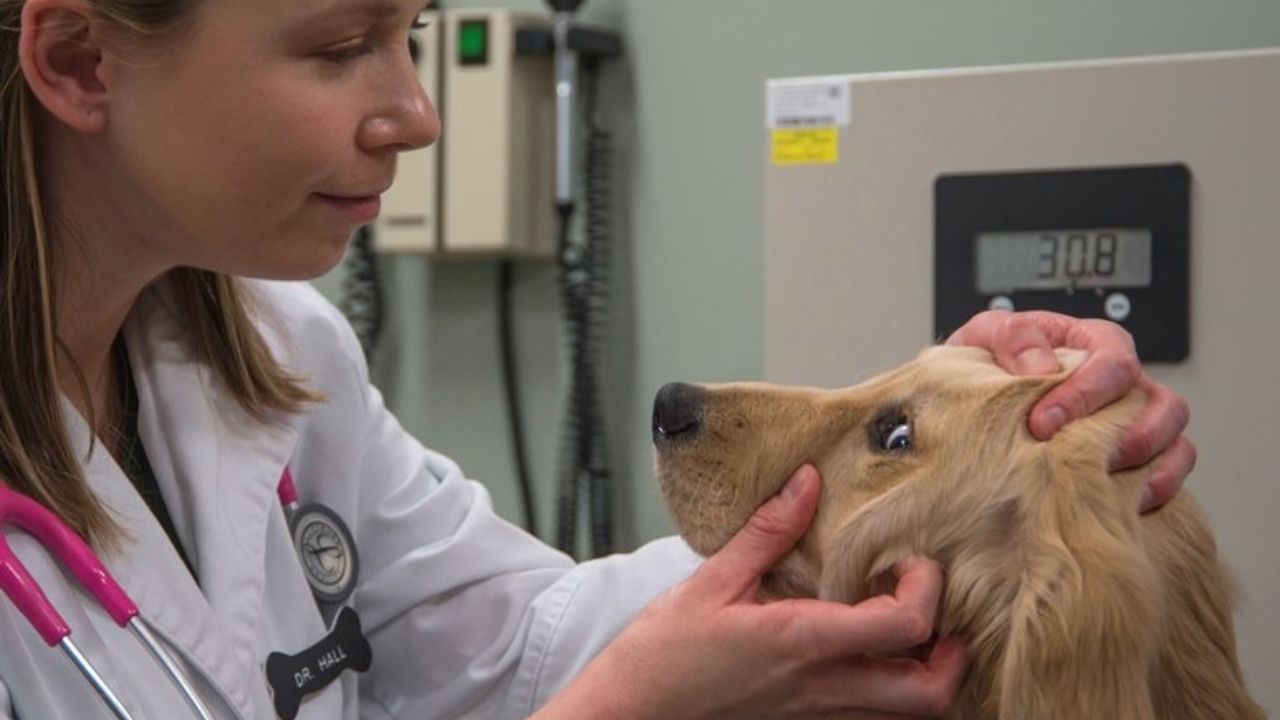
(468, 616)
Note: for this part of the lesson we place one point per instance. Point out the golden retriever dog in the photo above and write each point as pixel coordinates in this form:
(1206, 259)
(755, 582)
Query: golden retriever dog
(1074, 605)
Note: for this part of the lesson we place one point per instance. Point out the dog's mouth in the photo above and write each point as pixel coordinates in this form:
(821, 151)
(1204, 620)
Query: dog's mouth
(707, 504)
(698, 468)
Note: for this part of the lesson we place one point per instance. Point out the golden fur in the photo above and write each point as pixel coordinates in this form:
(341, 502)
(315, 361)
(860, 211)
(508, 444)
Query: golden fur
(1075, 606)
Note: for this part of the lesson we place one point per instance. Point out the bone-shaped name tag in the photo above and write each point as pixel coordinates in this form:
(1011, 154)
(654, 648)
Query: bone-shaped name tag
(293, 677)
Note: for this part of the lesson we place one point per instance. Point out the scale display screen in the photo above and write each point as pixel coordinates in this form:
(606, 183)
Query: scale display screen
(1063, 259)
(1105, 242)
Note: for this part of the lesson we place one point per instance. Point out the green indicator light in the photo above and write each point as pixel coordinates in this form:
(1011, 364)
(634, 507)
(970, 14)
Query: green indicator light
(473, 42)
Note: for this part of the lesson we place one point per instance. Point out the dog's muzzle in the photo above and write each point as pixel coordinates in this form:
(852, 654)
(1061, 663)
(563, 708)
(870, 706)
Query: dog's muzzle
(676, 412)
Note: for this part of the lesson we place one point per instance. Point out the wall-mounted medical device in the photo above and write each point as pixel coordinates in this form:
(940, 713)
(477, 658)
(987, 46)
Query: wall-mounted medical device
(487, 187)
(503, 182)
(1143, 190)
(1099, 242)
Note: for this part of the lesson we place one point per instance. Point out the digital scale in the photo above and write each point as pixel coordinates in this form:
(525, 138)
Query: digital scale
(1101, 242)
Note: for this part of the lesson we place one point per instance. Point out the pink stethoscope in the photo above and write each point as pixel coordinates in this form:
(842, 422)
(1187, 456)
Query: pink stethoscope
(76, 556)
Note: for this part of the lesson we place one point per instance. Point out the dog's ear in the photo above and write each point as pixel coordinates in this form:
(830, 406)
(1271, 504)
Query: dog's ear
(1082, 624)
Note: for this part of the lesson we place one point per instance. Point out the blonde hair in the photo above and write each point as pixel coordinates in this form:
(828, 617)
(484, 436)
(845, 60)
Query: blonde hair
(37, 457)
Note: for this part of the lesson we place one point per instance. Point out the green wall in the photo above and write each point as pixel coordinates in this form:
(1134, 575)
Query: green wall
(688, 111)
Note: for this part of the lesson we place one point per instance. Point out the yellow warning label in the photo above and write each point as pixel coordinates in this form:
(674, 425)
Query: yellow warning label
(811, 146)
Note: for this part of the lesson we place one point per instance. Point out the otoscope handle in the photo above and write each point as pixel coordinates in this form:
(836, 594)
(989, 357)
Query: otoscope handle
(566, 68)
(71, 551)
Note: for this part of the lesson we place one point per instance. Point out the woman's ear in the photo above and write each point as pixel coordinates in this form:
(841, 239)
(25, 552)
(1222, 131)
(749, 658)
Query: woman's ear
(61, 55)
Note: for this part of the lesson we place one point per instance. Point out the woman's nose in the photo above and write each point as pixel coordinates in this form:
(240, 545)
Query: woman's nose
(424, 127)
(411, 120)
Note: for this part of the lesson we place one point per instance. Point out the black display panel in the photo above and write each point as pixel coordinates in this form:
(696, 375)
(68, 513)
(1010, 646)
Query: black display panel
(1106, 242)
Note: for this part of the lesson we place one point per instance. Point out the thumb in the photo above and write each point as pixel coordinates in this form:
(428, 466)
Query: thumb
(771, 532)
(1022, 348)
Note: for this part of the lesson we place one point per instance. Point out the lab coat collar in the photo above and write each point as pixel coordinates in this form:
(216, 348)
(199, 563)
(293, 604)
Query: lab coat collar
(157, 582)
(218, 469)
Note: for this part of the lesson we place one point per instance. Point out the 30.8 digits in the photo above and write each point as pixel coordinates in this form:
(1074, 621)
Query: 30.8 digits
(1077, 255)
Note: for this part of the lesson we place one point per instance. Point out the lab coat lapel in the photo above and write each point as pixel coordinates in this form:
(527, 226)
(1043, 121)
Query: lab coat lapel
(217, 467)
(156, 580)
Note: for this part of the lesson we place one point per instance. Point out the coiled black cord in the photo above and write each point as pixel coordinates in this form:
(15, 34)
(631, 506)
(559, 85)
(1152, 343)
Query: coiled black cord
(510, 387)
(362, 298)
(584, 289)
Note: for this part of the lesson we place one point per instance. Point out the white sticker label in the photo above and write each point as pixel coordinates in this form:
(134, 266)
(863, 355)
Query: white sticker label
(819, 103)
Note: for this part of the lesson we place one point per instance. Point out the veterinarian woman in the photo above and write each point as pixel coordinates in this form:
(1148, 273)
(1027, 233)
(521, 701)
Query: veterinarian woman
(159, 153)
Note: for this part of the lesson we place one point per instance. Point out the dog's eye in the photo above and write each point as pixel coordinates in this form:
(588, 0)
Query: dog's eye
(899, 438)
(891, 430)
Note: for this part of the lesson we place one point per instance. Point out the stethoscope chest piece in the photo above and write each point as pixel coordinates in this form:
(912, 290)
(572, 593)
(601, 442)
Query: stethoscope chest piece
(327, 551)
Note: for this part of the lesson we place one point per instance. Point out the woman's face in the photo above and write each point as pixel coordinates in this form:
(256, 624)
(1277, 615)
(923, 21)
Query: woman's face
(258, 141)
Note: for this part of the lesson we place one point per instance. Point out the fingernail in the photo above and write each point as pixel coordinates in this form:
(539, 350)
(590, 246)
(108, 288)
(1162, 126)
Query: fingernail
(1148, 497)
(1036, 361)
(1054, 418)
(795, 486)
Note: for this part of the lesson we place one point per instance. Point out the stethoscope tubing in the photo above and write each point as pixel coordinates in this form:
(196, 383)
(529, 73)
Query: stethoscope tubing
(146, 635)
(76, 556)
(90, 673)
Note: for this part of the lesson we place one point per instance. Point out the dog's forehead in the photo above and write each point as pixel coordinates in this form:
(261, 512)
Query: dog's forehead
(960, 363)
(940, 366)
(934, 367)
(945, 355)
(956, 364)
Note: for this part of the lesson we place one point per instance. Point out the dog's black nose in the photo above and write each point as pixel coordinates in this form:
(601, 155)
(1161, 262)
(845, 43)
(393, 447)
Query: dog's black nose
(676, 410)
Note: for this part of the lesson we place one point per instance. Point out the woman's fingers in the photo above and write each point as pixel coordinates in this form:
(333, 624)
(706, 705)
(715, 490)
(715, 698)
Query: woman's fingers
(1020, 342)
(1111, 370)
(1163, 419)
(912, 687)
(1106, 376)
(1168, 474)
(897, 687)
(882, 624)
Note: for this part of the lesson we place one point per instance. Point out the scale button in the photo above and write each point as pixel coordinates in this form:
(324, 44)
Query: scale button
(1118, 306)
(1001, 302)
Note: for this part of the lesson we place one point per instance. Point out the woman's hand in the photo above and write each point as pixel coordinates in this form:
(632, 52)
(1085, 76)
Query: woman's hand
(708, 648)
(1023, 343)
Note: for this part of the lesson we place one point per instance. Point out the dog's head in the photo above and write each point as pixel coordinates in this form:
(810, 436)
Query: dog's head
(931, 459)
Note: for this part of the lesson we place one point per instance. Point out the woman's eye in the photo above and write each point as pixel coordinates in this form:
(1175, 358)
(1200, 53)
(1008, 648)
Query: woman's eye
(346, 54)
(899, 438)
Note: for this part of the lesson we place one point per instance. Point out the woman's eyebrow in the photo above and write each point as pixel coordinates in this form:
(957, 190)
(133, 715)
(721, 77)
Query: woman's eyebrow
(370, 9)
(339, 13)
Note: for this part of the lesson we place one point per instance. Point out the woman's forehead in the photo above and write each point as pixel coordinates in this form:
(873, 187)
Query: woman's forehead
(294, 21)
(303, 10)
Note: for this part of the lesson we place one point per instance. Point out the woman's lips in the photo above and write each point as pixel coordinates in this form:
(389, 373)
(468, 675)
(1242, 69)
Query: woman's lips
(361, 209)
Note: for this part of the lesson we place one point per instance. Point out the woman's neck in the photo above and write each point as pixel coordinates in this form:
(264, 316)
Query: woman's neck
(87, 372)
(101, 263)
